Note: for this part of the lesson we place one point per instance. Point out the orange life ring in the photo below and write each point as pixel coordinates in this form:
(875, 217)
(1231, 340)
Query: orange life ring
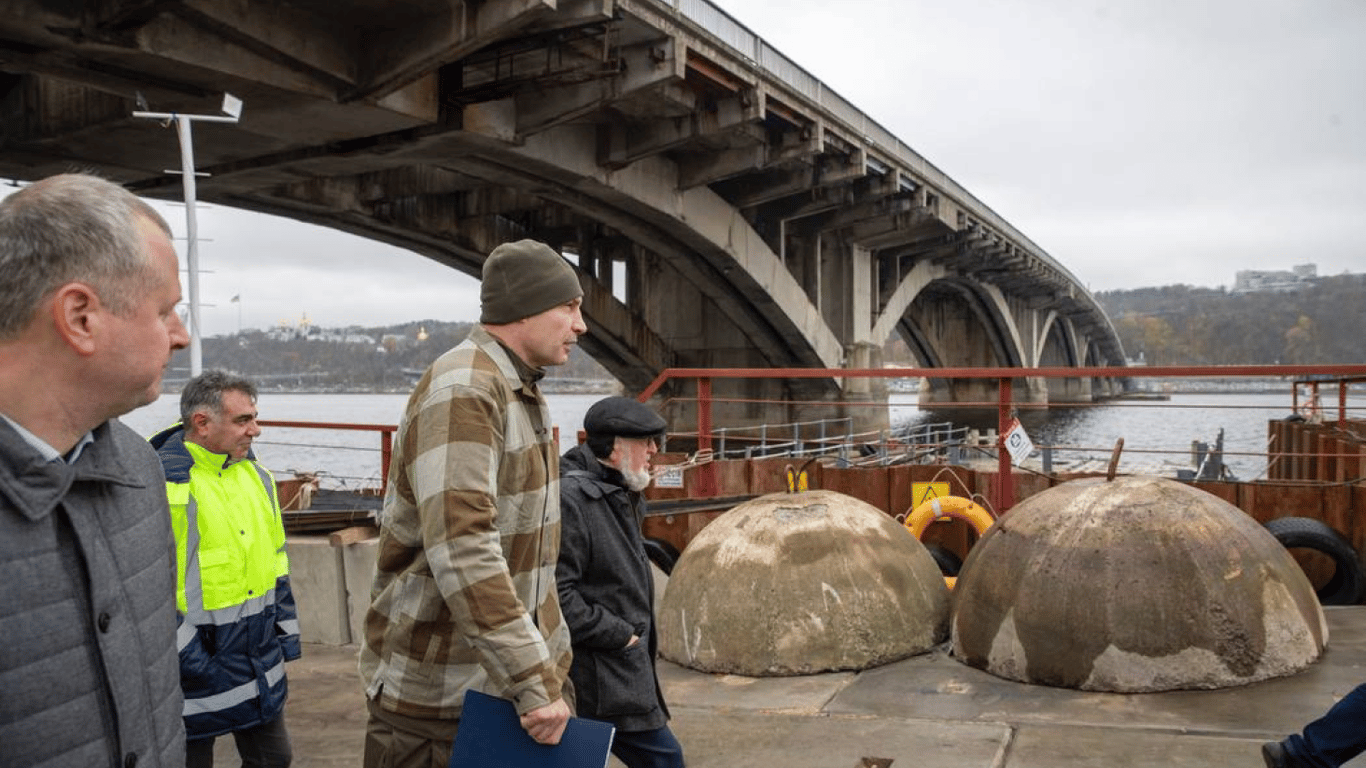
(948, 506)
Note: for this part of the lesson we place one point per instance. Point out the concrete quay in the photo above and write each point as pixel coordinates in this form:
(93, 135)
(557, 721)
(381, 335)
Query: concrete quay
(928, 711)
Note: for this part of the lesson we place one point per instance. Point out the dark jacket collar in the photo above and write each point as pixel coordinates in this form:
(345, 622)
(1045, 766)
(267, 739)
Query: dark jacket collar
(581, 461)
(36, 486)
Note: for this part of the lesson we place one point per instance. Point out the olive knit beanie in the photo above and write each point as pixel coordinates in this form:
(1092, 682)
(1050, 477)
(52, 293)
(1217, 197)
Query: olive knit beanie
(522, 279)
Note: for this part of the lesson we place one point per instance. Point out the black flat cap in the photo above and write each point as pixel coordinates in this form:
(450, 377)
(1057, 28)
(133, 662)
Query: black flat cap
(623, 417)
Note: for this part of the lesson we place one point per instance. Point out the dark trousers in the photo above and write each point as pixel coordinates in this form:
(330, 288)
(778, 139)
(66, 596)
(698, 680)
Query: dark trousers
(396, 741)
(263, 746)
(648, 749)
(1335, 738)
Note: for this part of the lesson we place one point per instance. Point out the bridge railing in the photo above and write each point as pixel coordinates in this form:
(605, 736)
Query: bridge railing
(835, 437)
(1006, 405)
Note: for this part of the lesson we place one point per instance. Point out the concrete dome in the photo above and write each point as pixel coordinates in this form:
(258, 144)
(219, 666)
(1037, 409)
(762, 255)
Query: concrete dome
(799, 583)
(1138, 584)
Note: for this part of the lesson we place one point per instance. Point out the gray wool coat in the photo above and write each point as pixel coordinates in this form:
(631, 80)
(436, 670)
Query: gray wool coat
(606, 591)
(88, 662)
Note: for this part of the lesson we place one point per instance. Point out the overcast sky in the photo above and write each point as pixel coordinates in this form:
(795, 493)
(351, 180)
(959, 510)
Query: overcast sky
(1139, 142)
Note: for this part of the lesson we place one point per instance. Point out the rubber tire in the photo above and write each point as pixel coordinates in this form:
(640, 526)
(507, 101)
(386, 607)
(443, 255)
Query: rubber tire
(1348, 584)
(948, 562)
(662, 554)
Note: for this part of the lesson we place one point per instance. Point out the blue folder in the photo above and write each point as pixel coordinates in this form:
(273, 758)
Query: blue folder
(491, 736)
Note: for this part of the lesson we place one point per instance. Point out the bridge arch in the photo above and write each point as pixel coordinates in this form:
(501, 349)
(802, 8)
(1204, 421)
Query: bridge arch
(761, 220)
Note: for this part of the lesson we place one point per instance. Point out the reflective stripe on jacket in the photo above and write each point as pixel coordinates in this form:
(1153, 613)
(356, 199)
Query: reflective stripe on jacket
(238, 623)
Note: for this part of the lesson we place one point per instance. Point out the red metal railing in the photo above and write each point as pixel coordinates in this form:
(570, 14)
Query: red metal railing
(1313, 386)
(707, 486)
(386, 438)
(707, 483)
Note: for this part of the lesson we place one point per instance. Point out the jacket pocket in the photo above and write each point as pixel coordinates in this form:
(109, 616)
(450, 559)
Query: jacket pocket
(625, 681)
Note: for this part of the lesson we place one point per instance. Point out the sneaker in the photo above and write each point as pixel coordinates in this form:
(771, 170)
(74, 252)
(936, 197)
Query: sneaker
(1273, 752)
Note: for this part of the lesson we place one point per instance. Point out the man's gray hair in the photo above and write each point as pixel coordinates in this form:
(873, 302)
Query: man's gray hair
(205, 392)
(72, 227)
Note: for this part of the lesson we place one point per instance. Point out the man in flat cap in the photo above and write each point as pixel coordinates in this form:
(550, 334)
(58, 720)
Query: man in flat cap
(605, 583)
(464, 594)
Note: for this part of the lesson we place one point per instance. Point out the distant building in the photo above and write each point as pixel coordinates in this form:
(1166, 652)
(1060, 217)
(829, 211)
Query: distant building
(306, 331)
(1253, 280)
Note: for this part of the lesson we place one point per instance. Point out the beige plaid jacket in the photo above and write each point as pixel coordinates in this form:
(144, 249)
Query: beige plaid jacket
(464, 593)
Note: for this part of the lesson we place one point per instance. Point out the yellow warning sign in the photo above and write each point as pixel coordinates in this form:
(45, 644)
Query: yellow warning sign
(923, 492)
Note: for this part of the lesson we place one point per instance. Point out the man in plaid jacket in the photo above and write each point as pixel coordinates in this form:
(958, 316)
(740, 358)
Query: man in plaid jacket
(464, 594)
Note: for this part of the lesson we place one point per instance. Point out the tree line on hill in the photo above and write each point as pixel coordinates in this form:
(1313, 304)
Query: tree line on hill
(392, 363)
(1321, 323)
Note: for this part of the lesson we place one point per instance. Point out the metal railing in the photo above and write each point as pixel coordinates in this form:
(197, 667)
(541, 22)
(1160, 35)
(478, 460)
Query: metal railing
(943, 442)
(1006, 405)
(835, 437)
(385, 432)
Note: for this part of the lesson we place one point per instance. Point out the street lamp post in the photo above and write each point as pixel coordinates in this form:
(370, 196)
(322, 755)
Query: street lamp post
(232, 110)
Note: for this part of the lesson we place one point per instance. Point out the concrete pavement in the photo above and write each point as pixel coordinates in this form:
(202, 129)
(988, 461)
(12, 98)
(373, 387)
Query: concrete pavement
(928, 711)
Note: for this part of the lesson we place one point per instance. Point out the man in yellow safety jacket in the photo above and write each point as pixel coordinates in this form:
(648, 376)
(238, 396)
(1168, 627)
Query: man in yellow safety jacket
(238, 624)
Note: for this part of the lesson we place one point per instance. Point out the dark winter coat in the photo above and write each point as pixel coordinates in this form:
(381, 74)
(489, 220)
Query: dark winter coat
(606, 593)
(88, 655)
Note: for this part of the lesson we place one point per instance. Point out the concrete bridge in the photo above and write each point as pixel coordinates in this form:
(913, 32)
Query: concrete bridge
(725, 208)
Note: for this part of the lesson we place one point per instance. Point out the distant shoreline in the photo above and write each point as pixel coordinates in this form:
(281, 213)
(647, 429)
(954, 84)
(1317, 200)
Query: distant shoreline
(548, 386)
(612, 387)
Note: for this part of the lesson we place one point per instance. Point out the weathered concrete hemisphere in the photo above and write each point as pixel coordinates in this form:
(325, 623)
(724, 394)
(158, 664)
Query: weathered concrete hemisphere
(1138, 584)
(794, 584)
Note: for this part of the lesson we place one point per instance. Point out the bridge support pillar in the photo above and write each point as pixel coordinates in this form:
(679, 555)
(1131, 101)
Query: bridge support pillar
(982, 393)
(865, 399)
(1075, 390)
(741, 414)
(858, 407)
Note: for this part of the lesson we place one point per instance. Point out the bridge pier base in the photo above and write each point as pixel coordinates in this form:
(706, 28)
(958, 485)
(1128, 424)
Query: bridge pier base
(748, 413)
(982, 393)
(864, 400)
(1079, 390)
(1031, 389)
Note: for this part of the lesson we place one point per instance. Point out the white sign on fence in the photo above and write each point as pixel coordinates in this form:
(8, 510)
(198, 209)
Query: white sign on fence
(669, 478)
(1018, 443)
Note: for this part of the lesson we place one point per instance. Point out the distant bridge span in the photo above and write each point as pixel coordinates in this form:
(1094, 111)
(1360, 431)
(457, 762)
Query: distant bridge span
(726, 208)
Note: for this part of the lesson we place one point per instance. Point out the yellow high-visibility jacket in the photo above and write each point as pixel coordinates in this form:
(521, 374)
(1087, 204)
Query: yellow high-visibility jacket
(238, 623)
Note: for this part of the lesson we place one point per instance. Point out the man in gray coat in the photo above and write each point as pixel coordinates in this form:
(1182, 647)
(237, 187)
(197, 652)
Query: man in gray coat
(88, 290)
(605, 583)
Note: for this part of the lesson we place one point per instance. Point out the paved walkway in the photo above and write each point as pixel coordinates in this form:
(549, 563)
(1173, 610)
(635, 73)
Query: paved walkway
(925, 712)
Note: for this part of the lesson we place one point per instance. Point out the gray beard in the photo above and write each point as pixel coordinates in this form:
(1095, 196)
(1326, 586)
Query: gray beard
(636, 481)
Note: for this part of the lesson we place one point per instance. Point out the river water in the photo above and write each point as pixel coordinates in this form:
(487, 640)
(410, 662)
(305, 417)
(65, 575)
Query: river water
(1156, 434)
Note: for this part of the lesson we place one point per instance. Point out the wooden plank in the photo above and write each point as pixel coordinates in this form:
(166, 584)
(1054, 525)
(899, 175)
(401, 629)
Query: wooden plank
(352, 535)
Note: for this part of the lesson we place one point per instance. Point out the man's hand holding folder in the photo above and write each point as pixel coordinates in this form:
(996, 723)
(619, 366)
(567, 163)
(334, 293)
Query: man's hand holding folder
(546, 724)
(490, 736)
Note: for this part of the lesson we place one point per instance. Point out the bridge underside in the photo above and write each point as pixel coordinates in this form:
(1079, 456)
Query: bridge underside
(720, 215)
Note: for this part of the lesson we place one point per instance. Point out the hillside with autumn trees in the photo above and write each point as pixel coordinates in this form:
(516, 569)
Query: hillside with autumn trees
(357, 359)
(1323, 322)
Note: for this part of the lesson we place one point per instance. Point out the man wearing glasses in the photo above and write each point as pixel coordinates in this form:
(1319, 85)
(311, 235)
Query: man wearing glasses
(605, 584)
